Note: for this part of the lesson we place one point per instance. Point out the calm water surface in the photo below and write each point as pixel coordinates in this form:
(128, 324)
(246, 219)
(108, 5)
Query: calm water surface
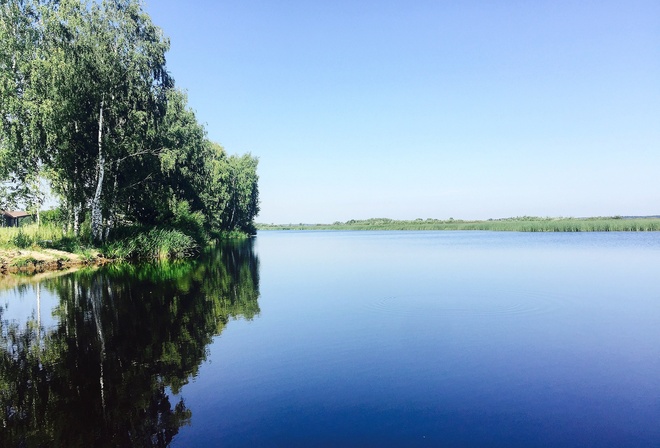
(345, 339)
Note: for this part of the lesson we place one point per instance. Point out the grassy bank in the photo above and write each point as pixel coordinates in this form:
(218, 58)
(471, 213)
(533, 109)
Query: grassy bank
(33, 248)
(518, 224)
(129, 243)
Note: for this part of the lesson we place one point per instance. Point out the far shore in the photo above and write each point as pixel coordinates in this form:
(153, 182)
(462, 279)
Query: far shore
(517, 224)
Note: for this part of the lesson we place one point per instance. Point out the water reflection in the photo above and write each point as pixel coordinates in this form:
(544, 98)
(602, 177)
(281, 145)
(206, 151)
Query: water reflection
(125, 337)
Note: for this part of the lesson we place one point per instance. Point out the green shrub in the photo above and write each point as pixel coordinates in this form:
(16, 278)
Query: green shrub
(22, 240)
(188, 222)
(55, 217)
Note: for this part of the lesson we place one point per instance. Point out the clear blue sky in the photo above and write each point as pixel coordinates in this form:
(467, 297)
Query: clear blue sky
(428, 109)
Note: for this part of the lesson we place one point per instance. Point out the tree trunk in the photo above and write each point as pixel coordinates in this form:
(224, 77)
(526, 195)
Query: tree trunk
(233, 204)
(97, 212)
(111, 212)
(76, 219)
(66, 228)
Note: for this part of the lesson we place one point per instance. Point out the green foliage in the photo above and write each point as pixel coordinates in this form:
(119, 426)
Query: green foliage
(54, 217)
(243, 204)
(86, 254)
(155, 243)
(188, 222)
(24, 261)
(28, 235)
(21, 130)
(86, 101)
(233, 235)
(21, 240)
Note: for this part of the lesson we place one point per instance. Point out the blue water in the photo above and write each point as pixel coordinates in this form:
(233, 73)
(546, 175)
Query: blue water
(457, 339)
(439, 339)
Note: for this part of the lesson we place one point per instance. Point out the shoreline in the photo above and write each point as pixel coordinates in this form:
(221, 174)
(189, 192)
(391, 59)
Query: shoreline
(35, 261)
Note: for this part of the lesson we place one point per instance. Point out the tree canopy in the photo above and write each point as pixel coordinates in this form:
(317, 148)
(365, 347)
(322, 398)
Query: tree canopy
(87, 102)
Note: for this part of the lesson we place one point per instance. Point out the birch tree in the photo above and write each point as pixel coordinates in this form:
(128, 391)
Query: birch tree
(129, 84)
(22, 136)
(86, 99)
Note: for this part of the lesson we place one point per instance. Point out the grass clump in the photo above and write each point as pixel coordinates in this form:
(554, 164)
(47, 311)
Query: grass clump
(155, 243)
(21, 240)
(22, 262)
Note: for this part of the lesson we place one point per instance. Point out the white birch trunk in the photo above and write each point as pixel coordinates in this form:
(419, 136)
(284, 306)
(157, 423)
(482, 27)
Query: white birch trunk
(76, 219)
(97, 212)
(111, 213)
(66, 228)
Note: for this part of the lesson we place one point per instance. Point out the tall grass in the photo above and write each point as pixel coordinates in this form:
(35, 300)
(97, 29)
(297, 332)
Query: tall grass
(128, 243)
(155, 243)
(30, 236)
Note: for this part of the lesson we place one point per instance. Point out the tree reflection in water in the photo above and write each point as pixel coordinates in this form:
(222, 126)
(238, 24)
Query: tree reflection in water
(127, 334)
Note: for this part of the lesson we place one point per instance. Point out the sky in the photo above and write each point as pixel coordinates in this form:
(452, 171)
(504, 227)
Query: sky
(428, 109)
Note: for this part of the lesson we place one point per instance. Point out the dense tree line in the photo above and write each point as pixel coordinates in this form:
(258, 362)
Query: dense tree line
(87, 103)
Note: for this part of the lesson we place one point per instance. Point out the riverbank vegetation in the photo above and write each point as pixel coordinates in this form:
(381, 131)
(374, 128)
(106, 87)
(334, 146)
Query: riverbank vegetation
(89, 110)
(518, 224)
(42, 247)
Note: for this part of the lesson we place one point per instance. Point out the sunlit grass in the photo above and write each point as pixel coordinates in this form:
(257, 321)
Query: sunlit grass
(129, 243)
(155, 243)
(30, 236)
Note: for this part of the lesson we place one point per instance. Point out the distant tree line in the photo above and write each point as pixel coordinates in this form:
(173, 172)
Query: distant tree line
(517, 224)
(87, 103)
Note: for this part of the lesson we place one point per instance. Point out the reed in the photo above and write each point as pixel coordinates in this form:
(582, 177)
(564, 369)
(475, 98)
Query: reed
(153, 244)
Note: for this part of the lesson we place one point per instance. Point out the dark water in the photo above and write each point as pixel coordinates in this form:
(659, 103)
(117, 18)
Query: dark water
(345, 339)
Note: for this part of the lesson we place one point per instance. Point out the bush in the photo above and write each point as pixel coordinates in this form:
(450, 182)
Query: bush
(55, 217)
(190, 223)
(22, 240)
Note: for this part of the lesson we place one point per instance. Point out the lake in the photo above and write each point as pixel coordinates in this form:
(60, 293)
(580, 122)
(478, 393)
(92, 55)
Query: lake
(495, 339)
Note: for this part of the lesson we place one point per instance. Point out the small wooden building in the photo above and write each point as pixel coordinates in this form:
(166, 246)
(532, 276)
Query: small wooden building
(13, 218)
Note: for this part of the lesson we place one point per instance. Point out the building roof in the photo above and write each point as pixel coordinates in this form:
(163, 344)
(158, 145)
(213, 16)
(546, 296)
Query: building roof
(16, 214)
